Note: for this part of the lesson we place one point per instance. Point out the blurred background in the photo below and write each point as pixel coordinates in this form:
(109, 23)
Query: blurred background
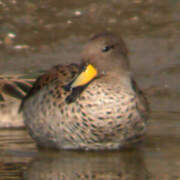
(35, 35)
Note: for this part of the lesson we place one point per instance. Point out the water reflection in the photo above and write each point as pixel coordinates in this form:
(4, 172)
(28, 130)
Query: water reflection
(88, 165)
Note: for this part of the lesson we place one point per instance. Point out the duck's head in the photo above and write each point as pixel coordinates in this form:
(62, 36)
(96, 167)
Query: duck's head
(104, 54)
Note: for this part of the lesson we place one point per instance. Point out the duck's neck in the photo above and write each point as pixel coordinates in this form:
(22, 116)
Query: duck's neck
(122, 80)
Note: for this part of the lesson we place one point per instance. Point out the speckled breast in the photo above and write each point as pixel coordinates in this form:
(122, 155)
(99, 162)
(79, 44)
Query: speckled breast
(101, 118)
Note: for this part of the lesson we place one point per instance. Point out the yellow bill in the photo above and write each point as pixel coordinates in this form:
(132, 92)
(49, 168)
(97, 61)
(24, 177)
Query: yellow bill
(85, 76)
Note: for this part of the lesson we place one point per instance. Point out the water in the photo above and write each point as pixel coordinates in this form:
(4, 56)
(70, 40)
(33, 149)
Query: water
(156, 158)
(36, 35)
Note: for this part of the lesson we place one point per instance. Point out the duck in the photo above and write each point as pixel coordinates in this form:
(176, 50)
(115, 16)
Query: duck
(92, 105)
(13, 87)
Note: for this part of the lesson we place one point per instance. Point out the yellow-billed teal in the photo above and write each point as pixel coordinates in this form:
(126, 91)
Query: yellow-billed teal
(12, 90)
(91, 106)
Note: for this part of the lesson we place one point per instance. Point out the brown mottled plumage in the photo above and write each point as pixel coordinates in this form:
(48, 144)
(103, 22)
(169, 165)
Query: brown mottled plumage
(108, 112)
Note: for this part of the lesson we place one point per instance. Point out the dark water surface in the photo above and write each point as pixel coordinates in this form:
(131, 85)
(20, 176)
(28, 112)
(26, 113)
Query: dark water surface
(34, 35)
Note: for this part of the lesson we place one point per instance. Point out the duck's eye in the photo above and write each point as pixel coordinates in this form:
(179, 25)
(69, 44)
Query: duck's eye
(107, 48)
